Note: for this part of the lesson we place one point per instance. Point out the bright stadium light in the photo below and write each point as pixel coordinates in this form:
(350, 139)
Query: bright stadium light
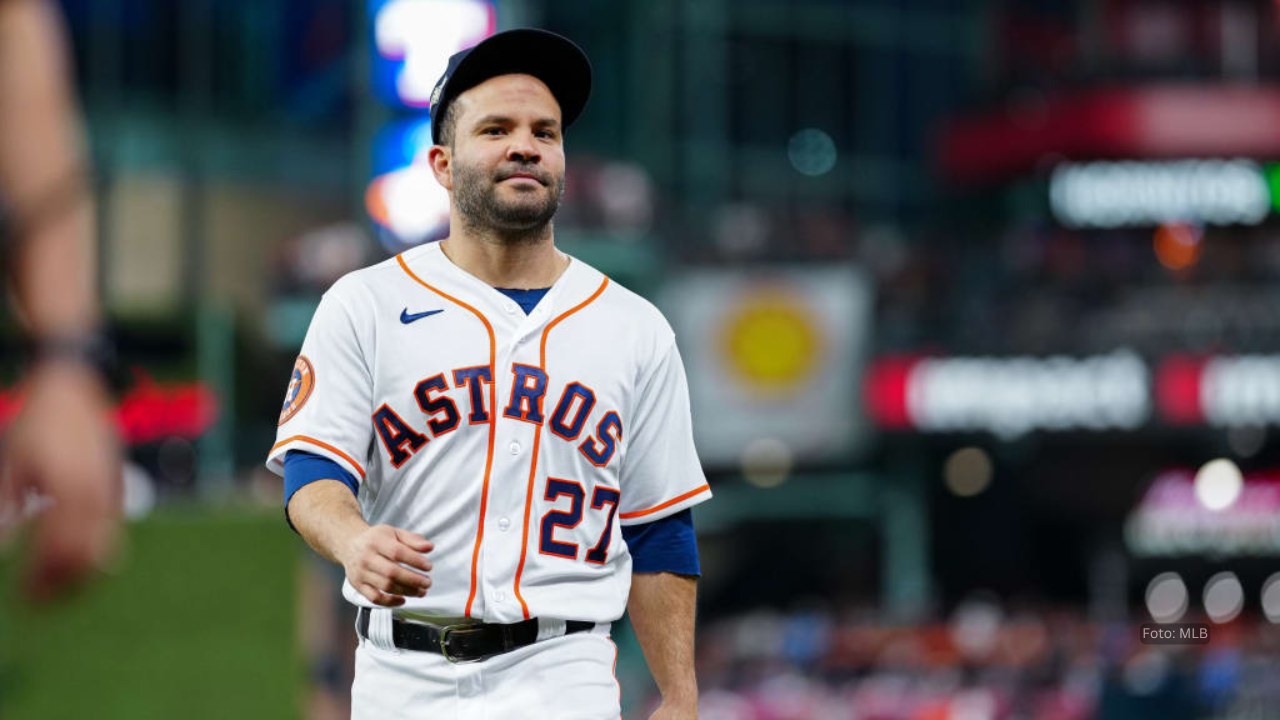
(1271, 598)
(414, 39)
(403, 198)
(1218, 484)
(1167, 597)
(1223, 597)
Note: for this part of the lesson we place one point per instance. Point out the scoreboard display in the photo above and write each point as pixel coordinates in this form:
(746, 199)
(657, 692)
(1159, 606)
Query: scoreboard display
(412, 41)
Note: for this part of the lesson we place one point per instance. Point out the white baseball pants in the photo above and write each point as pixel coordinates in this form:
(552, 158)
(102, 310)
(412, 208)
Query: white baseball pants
(564, 678)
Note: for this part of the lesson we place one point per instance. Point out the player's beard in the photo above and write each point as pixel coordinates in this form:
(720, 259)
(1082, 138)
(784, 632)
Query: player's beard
(475, 191)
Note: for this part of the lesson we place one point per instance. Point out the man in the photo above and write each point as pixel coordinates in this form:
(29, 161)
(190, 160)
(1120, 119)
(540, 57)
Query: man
(490, 436)
(60, 459)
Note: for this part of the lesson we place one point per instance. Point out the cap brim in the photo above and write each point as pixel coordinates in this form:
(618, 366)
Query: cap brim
(553, 59)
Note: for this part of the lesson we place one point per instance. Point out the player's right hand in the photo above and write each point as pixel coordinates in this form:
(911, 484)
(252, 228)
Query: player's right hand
(375, 564)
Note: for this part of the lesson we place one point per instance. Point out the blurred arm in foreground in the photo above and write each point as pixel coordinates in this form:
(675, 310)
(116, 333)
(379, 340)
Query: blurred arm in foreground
(62, 445)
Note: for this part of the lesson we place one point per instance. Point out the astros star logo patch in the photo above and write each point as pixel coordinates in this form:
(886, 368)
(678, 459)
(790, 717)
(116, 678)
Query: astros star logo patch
(301, 383)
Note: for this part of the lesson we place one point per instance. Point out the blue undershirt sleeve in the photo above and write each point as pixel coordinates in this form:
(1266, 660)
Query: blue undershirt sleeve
(666, 545)
(303, 468)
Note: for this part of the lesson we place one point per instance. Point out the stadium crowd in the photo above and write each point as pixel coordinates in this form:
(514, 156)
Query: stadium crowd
(982, 663)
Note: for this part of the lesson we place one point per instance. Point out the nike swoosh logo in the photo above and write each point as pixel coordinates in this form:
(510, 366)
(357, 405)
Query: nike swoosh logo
(406, 318)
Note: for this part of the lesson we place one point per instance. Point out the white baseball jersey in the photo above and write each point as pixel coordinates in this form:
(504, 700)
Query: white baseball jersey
(518, 444)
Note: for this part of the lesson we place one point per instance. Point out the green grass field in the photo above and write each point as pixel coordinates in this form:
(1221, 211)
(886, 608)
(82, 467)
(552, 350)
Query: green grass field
(199, 622)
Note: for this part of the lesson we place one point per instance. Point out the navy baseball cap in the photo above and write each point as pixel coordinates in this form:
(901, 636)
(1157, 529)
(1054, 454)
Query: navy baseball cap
(553, 59)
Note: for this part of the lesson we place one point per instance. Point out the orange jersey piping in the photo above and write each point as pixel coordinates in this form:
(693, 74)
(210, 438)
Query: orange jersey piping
(493, 404)
(320, 444)
(537, 437)
(667, 504)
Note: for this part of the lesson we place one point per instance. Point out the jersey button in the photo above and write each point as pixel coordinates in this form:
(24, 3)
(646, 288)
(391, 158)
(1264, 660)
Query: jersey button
(515, 448)
(504, 524)
(500, 596)
(511, 309)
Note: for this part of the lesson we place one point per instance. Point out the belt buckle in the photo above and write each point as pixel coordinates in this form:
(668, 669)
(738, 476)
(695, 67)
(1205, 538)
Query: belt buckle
(448, 630)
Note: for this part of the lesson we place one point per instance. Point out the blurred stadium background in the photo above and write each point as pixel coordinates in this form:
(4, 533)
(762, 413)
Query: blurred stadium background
(977, 299)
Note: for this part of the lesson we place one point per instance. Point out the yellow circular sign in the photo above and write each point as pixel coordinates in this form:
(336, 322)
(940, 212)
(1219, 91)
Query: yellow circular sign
(771, 342)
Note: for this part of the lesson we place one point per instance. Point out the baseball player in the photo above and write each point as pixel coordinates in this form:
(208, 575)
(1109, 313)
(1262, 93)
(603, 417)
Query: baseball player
(493, 438)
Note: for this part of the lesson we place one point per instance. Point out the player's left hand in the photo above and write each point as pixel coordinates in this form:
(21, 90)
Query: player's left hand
(63, 448)
(675, 711)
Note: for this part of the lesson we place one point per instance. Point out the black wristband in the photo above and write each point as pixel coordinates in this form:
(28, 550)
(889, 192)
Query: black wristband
(93, 350)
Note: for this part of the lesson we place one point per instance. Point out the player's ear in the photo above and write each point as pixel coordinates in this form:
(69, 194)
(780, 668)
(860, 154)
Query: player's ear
(441, 159)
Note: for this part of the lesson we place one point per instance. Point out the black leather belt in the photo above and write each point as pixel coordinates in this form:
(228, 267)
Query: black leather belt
(466, 642)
